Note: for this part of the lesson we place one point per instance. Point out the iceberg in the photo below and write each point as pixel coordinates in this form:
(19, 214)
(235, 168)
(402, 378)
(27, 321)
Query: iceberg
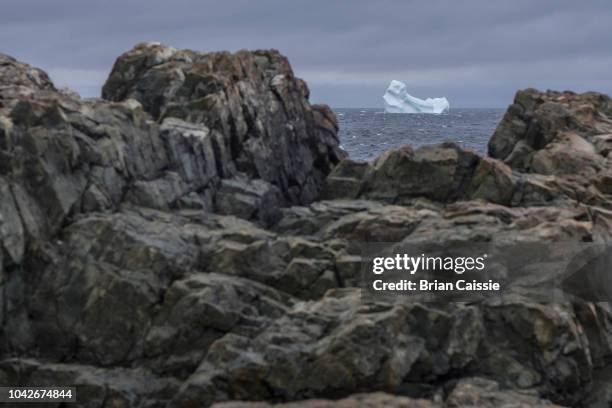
(398, 100)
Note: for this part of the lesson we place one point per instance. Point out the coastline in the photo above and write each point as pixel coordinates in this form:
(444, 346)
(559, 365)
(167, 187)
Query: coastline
(191, 239)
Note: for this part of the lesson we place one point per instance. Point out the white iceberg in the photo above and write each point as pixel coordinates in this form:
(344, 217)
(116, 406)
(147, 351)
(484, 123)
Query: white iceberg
(398, 100)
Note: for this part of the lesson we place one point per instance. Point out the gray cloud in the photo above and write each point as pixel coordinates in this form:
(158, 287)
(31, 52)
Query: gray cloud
(476, 52)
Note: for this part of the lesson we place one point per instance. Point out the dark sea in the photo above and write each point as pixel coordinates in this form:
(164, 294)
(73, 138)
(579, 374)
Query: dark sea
(366, 133)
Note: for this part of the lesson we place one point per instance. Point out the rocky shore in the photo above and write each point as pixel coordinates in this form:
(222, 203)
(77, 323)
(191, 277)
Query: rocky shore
(188, 240)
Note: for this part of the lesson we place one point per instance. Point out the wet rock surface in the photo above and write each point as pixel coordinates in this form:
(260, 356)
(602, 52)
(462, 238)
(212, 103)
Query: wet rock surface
(190, 240)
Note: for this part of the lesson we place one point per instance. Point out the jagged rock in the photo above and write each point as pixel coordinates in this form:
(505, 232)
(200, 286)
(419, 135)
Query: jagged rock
(346, 180)
(294, 265)
(12, 237)
(436, 172)
(249, 199)
(276, 362)
(344, 347)
(441, 173)
(256, 111)
(19, 80)
(164, 247)
(492, 181)
(201, 309)
(568, 153)
(161, 194)
(191, 151)
(536, 119)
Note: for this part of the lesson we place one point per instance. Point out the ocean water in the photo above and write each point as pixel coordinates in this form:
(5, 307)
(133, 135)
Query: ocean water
(366, 133)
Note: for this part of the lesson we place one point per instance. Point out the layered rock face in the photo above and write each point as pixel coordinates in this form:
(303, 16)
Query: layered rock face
(190, 240)
(260, 130)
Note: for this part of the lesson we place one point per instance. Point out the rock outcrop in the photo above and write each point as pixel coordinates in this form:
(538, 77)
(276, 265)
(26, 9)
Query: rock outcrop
(190, 240)
(251, 111)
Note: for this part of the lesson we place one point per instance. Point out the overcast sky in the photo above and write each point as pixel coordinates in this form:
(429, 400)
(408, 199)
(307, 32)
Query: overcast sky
(475, 52)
